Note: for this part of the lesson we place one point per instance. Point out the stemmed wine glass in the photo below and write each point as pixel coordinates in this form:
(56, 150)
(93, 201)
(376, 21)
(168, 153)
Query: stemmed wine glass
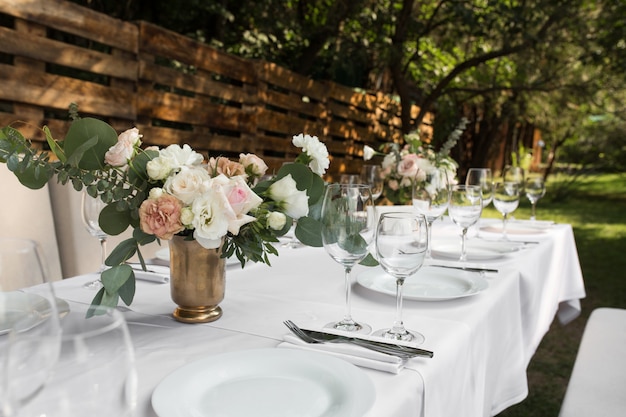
(401, 246)
(94, 374)
(535, 188)
(483, 178)
(431, 197)
(347, 232)
(514, 174)
(90, 210)
(350, 179)
(28, 309)
(465, 209)
(506, 199)
(372, 175)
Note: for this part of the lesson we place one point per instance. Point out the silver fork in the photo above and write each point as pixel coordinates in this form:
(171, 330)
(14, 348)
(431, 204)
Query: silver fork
(403, 352)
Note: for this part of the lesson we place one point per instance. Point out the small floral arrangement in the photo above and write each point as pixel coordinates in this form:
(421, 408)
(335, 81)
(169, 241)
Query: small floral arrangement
(414, 162)
(160, 193)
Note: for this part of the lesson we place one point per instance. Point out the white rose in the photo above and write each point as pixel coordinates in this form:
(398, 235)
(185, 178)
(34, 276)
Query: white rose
(253, 164)
(276, 220)
(186, 184)
(155, 193)
(186, 216)
(294, 202)
(211, 216)
(158, 168)
(131, 136)
(368, 153)
(119, 154)
(241, 199)
(389, 161)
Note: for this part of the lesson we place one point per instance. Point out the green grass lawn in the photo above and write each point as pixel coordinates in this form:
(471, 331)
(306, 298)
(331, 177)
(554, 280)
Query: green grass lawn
(596, 208)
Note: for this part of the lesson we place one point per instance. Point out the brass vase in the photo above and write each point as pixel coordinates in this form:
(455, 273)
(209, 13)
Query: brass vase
(197, 280)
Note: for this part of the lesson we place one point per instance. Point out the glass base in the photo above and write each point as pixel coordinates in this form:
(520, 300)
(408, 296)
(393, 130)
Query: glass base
(405, 336)
(350, 326)
(93, 285)
(292, 244)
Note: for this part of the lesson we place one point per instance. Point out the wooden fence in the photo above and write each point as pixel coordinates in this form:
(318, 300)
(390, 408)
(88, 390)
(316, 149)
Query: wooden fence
(173, 88)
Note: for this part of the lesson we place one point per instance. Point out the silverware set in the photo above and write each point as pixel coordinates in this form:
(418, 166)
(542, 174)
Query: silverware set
(313, 337)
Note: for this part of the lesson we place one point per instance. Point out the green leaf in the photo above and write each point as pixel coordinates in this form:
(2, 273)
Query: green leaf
(54, 146)
(306, 180)
(99, 136)
(308, 231)
(112, 221)
(138, 172)
(142, 237)
(113, 278)
(369, 261)
(122, 252)
(127, 291)
(33, 177)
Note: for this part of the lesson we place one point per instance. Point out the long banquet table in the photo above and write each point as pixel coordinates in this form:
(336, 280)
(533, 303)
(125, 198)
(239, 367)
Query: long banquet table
(482, 343)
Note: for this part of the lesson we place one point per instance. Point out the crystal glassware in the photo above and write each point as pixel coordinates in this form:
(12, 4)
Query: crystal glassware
(95, 371)
(372, 175)
(401, 246)
(90, 211)
(506, 199)
(535, 188)
(347, 232)
(350, 179)
(431, 196)
(514, 174)
(483, 178)
(465, 209)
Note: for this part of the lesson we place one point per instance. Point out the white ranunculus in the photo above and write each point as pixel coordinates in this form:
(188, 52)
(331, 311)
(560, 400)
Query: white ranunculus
(294, 202)
(368, 153)
(155, 193)
(276, 220)
(158, 168)
(211, 216)
(316, 150)
(186, 185)
(186, 216)
(181, 156)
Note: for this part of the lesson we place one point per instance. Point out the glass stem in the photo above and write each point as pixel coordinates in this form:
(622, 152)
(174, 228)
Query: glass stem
(398, 324)
(347, 318)
(504, 219)
(429, 231)
(532, 211)
(463, 257)
(103, 253)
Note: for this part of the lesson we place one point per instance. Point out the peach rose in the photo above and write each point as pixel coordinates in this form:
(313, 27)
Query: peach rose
(225, 166)
(161, 216)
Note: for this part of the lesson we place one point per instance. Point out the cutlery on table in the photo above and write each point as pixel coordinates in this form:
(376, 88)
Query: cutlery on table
(310, 336)
(465, 268)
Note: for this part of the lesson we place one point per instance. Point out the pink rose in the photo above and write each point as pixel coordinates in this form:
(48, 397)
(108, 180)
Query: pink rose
(408, 166)
(161, 216)
(119, 154)
(254, 166)
(225, 166)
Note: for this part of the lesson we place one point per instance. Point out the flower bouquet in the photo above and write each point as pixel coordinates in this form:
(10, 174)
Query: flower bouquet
(160, 193)
(415, 162)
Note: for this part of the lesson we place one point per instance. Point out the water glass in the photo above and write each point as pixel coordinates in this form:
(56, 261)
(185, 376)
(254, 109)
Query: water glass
(535, 189)
(431, 196)
(372, 175)
(483, 178)
(506, 200)
(465, 209)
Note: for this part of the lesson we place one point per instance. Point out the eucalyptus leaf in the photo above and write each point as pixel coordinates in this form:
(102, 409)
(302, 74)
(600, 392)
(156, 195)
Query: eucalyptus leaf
(112, 221)
(101, 137)
(369, 261)
(114, 277)
(308, 231)
(122, 252)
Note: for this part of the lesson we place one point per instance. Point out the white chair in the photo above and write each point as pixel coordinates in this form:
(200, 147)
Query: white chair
(597, 386)
(28, 214)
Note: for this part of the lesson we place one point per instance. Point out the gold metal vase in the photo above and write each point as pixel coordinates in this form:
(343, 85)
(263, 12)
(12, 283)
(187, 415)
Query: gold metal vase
(197, 281)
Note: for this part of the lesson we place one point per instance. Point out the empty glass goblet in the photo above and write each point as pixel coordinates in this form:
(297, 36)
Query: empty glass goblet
(483, 178)
(506, 200)
(535, 188)
(350, 179)
(465, 209)
(514, 174)
(401, 245)
(90, 211)
(372, 175)
(347, 231)
(431, 196)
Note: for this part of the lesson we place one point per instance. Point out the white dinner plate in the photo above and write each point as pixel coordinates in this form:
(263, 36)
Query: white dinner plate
(476, 249)
(265, 383)
(519, 227)
(163, 254)
(429, 284)
(16, 304)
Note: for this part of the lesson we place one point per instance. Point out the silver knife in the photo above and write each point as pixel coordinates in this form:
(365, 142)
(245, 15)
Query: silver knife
(465, 268)
(406, 350)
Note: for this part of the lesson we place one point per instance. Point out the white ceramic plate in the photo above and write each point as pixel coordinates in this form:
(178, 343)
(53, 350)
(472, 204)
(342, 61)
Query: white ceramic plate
(16, 303)
(265, 383)
(164, 255)
(519, 227)
(476, 249)
(429, 284)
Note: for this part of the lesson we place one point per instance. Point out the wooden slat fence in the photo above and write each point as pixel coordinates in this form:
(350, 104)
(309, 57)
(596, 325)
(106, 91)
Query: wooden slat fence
(173, 88)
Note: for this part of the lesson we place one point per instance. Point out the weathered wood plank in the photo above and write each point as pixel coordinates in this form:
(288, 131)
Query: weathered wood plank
(77, 20)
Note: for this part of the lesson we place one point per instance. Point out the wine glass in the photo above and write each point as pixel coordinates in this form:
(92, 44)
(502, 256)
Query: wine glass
(514, 174)
(535, 188)
(506, 199)
(483, 178)
(350, 179)
(401, 246)
(28, 309)
(90, 211)
(347, 232)
(95, 371)
(372, 175)
(431, 197)
(465, 209)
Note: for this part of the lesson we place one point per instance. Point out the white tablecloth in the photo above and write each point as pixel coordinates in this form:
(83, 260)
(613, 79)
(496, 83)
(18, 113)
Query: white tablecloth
(482, 343)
